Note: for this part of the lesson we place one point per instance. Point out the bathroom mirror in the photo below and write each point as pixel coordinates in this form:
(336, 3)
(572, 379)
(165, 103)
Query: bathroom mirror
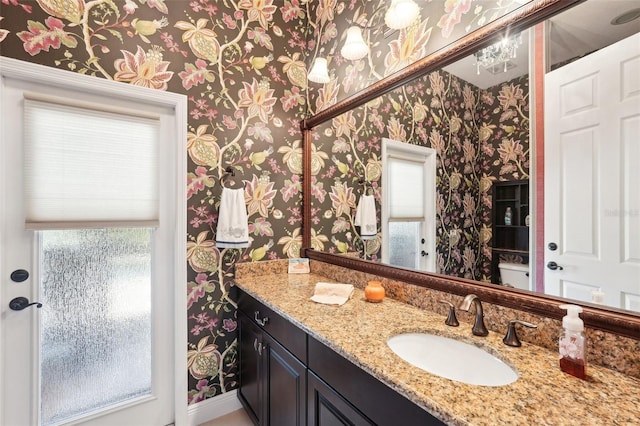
(319, 125)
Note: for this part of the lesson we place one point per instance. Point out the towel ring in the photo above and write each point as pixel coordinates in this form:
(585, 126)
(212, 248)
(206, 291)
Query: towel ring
(229, 171)
(367, 188)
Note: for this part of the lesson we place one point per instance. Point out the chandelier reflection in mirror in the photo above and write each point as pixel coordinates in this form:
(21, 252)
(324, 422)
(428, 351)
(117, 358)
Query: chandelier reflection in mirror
(499, 55)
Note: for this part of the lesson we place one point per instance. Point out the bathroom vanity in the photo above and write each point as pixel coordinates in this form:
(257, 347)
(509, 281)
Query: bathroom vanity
(337, 360)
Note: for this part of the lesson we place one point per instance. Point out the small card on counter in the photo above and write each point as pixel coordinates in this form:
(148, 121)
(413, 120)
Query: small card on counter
(299, 266)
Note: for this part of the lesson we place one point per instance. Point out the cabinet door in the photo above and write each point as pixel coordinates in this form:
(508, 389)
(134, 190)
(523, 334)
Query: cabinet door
(327, 408)
(251, 370)
(286, 384)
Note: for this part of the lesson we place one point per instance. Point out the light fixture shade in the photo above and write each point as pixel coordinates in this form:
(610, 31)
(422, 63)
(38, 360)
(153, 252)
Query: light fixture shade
(354, 46)
(401, 14)
(319, 72)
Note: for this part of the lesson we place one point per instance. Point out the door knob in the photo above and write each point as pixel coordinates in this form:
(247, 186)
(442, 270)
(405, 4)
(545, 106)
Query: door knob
(553, 266)
(20, 303)
(553, 246)
(424, 253)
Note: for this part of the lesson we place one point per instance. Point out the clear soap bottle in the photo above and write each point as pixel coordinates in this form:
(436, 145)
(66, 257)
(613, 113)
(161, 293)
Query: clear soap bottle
(572, 344)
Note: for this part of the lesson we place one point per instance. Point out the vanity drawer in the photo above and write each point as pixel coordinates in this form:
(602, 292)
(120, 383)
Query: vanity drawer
(281, 329)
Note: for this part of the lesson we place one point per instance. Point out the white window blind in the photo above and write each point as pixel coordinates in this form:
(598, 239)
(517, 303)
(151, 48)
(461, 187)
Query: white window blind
(89, 167)
(406, 192)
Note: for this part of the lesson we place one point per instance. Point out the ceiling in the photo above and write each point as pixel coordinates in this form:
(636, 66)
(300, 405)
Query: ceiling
(580, 30)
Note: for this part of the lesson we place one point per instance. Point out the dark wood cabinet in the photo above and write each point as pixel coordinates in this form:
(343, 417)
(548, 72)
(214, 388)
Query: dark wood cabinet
(272, 380)
(251, 367)
(290, 378)
(286, 386)
(327, 408)
(509, 239)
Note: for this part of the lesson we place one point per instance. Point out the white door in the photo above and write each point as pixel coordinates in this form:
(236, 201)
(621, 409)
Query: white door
(100, 350)
(408, 210)
(592, 177)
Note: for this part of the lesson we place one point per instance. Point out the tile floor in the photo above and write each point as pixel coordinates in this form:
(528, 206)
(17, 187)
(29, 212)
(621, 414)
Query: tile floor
(235, 418)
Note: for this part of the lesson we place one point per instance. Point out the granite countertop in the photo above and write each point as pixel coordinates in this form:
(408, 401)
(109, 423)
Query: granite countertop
(358, 330)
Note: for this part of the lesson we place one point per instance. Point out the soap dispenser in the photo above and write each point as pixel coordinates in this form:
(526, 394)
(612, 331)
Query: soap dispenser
(572, 343)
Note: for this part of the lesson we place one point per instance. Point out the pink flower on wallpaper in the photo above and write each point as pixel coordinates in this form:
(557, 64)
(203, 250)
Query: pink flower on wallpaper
(40, 38)
(292, 10)
(436, 83)
(259, 10)
(26, 8)
(292, 98)
(437, 141)
(510, 150)
(344, 124)
(197, 181)
(291, 188)
(510, 95)
(229, 325)
(327, 95)
(454, 9)
(195, 74)
(342, 199)
(158, 4)
(325, 11)
(259, 195)
(197, 290)
(261, 227)
(260, 36)
(396, 130)
(410, 46)
(258, 99)
(229, 22)
(142, 70)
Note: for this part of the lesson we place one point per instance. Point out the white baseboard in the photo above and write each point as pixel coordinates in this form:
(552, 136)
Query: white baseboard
(212, 408)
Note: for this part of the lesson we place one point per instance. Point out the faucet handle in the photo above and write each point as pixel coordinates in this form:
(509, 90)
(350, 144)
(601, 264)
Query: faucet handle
(511, 339)
(451, 321)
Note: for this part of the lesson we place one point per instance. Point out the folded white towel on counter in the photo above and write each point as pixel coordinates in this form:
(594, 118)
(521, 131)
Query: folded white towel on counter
(366, 217)
(332, 294)
(233, 225)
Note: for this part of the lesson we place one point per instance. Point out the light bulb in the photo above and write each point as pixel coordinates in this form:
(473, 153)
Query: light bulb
(354, 46)
(401, 14)
(319, 72)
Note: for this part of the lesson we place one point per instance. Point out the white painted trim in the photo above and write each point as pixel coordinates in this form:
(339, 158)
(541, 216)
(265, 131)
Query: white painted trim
(213, 408)
(417, 153)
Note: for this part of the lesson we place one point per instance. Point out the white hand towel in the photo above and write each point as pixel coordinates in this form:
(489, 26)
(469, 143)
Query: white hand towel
(233, 226)
(332, 294)
(366, 217)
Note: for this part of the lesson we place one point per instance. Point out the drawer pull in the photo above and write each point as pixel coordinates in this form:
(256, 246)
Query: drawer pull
(257, 346)
(263, 321)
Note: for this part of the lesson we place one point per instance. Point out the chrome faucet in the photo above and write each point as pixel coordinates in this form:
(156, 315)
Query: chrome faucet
(478, 326)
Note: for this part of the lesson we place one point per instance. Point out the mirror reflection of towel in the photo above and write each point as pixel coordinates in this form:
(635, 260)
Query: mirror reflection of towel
(366, 217)
(233, 225)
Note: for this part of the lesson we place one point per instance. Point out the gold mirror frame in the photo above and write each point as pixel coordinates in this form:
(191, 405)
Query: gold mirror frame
(611, 320)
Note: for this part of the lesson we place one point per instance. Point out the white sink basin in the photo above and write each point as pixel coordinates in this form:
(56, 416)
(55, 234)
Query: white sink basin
(452, 359)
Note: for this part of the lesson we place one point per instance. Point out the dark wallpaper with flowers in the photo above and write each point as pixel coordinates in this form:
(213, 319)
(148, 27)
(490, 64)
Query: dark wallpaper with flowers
(242, 64)
(480, 136)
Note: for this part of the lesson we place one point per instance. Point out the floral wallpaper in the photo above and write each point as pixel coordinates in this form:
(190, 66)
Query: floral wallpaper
(480, 136)
(464, 124)
(242, 64)
(441, 22)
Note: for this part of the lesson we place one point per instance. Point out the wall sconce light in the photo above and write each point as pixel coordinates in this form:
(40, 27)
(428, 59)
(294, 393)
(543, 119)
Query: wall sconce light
(401, 14)
(354, 46)
(319, 72)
